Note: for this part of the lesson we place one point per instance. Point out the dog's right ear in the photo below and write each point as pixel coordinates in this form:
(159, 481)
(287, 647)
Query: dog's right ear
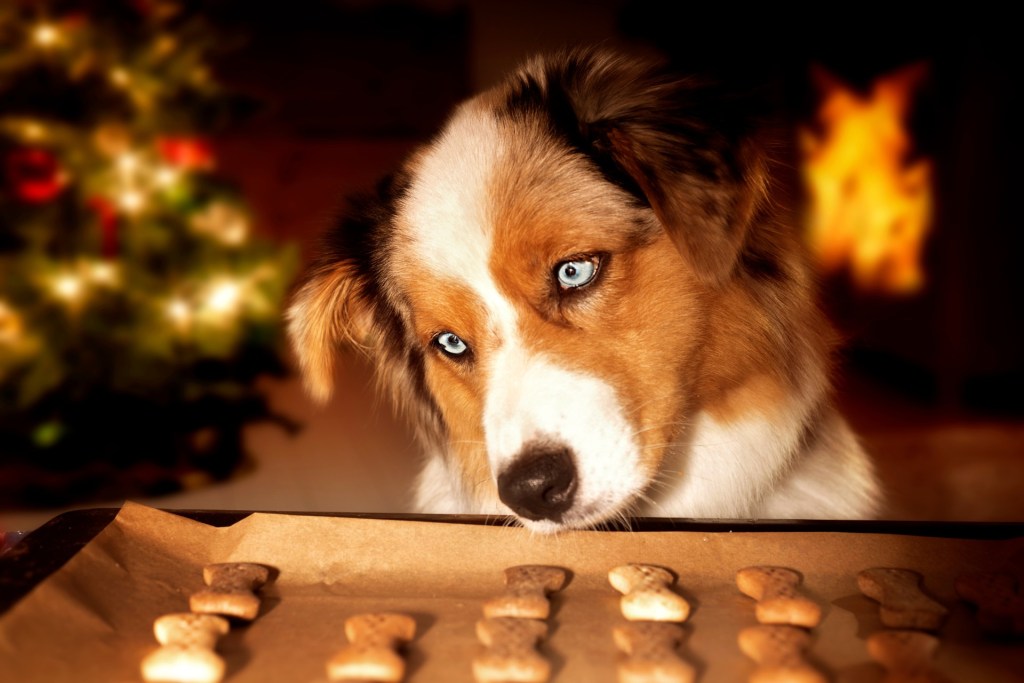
(336, 301)
(328, 308)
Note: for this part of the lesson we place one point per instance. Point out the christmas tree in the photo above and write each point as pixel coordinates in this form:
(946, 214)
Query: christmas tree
(137, 309)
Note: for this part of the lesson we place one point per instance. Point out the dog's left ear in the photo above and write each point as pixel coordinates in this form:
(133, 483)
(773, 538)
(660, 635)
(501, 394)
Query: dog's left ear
(706, 212)
(695, 150)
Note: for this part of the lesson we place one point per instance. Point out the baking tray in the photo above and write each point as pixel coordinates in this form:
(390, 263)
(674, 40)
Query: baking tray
(81, 592)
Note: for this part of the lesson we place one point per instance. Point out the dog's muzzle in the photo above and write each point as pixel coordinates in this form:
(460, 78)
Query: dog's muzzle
(540, 483)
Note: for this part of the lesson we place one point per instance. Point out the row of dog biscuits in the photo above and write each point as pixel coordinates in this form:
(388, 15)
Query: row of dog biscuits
(514, 624)
(650, 639)
(907, 648)
(188, 640)
(785, 616)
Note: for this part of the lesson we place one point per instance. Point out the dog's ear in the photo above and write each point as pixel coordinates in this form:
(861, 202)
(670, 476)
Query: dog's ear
(327, 309)
(693, 148)
(705, 208)
(335, 301)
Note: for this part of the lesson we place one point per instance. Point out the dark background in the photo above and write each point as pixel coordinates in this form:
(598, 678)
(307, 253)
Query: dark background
(339, 92)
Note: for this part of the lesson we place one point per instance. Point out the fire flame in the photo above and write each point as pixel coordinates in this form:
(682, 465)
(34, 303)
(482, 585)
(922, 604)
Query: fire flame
(870, 208)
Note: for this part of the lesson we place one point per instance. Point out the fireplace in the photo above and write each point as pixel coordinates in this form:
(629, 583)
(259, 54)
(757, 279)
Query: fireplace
(956, 337)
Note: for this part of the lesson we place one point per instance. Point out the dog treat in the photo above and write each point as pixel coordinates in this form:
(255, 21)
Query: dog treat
(373, 650)
(906, 656)
(187, 647)
(651, 653)
(779, 653)
(231, 591)
(998, 601)
(526, 592)
(646, 595)
(778, 599)
(902, 603)
(511, 653)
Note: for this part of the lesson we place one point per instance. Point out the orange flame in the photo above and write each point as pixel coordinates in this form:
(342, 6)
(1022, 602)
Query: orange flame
(870, 209)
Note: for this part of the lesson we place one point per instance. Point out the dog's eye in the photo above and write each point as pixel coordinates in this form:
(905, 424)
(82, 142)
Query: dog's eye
(576, 272)
(451, 344)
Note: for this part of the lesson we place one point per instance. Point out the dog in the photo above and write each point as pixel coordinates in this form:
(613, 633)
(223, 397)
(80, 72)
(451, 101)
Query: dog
(589, 299)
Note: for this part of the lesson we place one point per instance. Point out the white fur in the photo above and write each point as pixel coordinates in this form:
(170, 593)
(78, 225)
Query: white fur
(726, 470)
(530, 399)
(453, 201)
(833, 478)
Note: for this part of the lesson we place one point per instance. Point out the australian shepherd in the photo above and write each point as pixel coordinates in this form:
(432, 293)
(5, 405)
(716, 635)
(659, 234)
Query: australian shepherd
(587, 295)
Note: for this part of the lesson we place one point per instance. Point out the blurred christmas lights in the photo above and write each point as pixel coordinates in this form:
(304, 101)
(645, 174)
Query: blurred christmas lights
(68, 287)
(45, 35)
(224, 297)
(104, 273)
(114, 214)
(222, 222)
(11, 325)
(131, 201)
(165, 176)
(180, 312)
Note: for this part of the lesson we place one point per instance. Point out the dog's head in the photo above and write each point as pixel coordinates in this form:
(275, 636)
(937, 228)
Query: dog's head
(537, 284)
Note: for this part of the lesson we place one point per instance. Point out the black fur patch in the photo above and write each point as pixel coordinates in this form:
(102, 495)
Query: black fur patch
(361, 237)
(555, 102)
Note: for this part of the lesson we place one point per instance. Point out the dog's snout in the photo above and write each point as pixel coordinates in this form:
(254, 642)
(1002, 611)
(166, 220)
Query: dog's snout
(540, 484)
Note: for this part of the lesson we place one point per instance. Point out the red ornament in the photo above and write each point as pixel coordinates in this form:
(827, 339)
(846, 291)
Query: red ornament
(189, 154)
(35, 174)
(107, 214)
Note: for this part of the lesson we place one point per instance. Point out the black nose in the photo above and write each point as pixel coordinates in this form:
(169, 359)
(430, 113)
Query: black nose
(540, 484)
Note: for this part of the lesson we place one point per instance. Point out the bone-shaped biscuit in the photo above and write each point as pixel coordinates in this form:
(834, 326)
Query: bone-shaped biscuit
(651, 653)
(646, 593)
(373, 650)
(526, 592)
(511, 653)
(779, 653)
(231, 591)
(778, 598)
(187, 647)
(998, 599)
(906, 656)
(902, 604)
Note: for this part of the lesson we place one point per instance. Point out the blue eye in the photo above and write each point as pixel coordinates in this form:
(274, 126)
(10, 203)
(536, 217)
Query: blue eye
(577, 272)
(451, 344)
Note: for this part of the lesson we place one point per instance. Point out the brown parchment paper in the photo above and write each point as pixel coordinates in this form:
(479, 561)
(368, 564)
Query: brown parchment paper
(92, 619)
